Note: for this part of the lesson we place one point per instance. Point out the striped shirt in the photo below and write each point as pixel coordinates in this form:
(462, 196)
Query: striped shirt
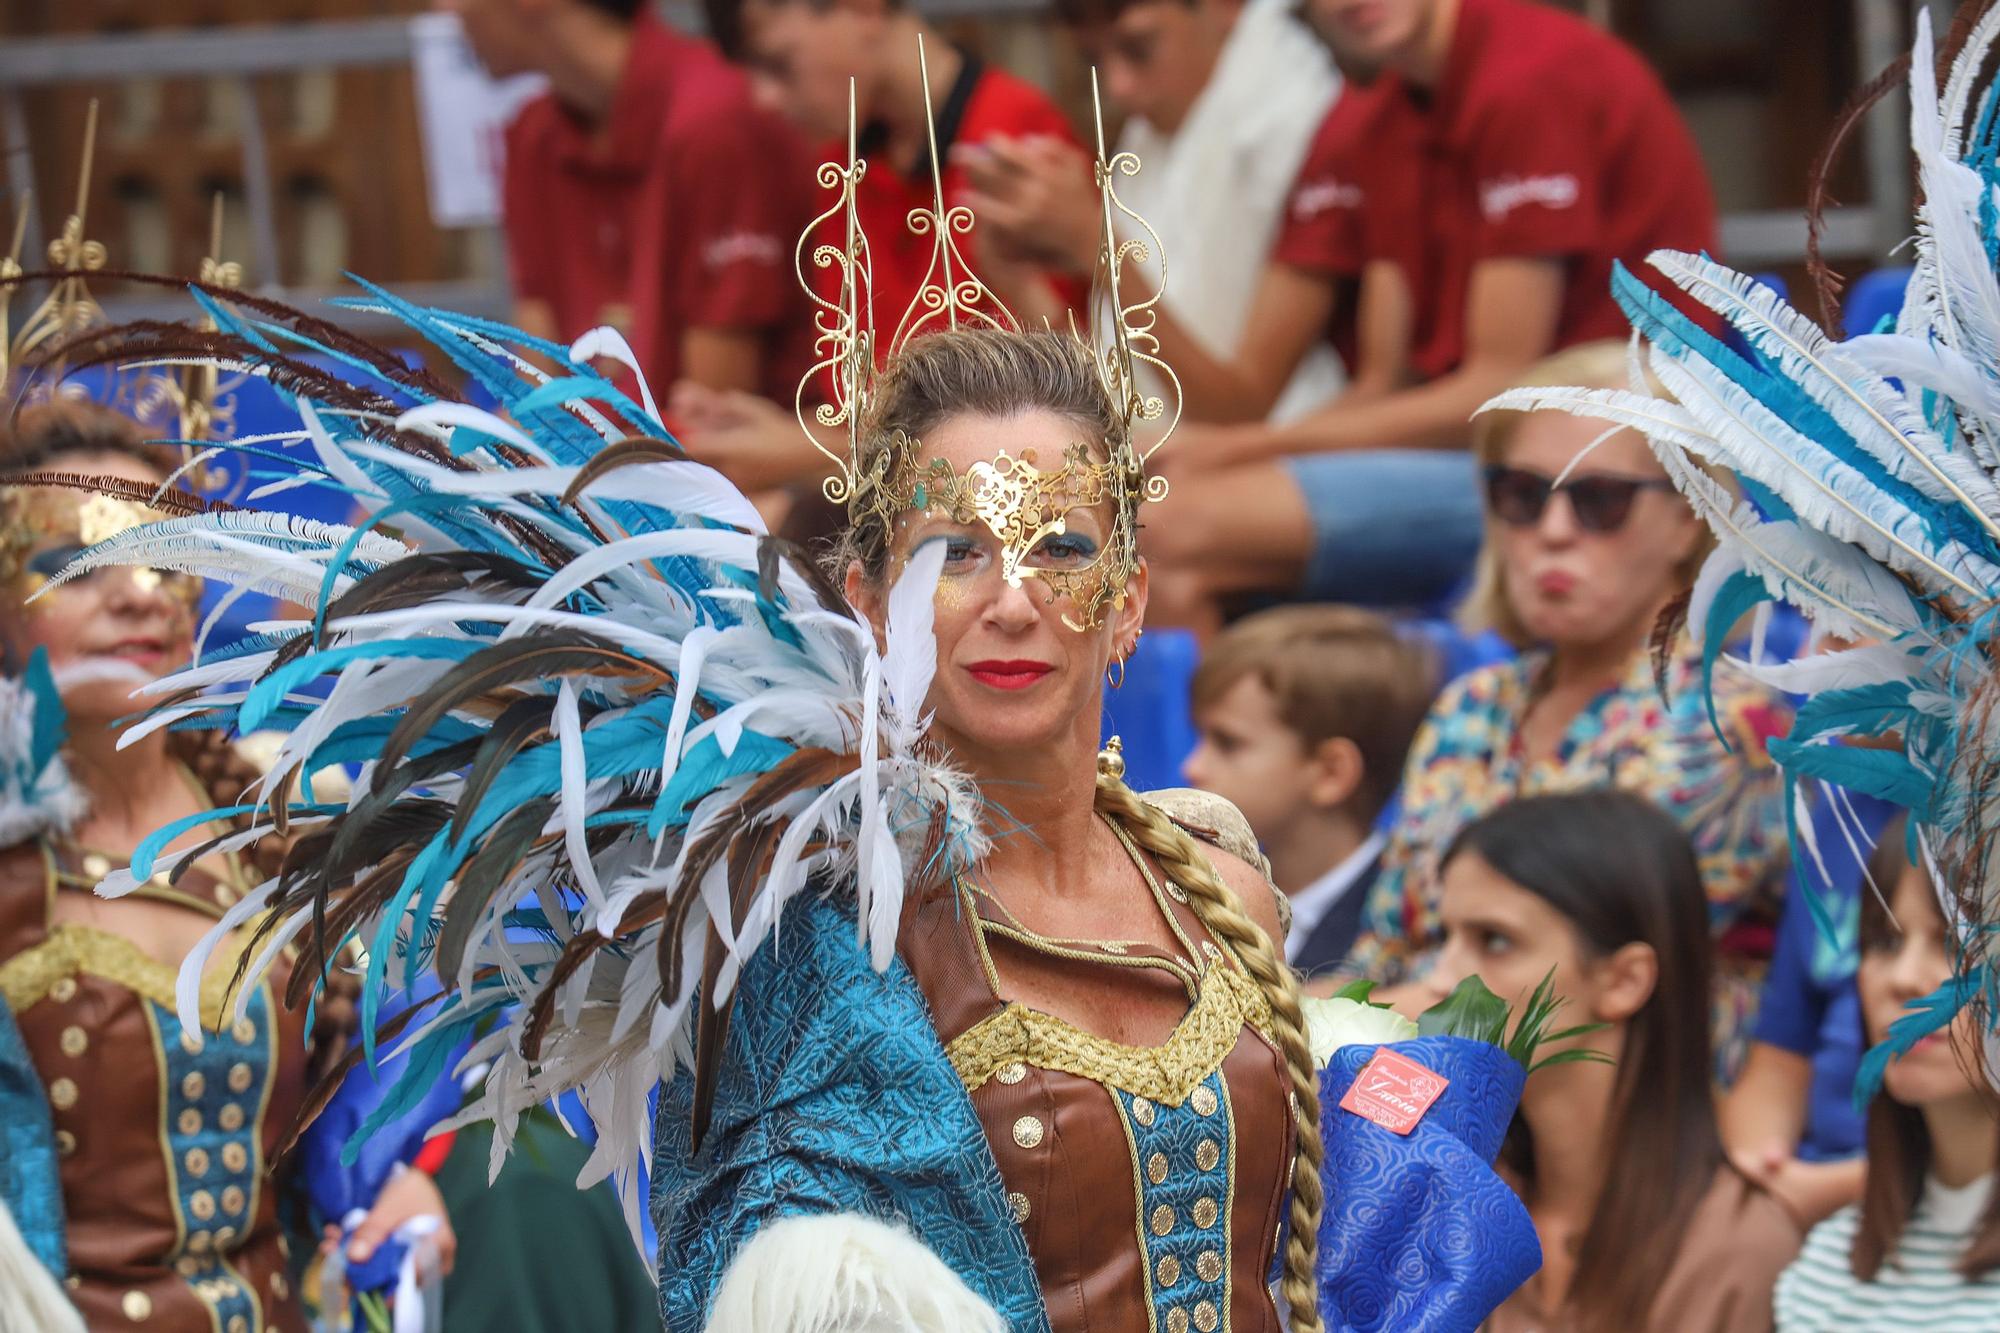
(1919, 1287)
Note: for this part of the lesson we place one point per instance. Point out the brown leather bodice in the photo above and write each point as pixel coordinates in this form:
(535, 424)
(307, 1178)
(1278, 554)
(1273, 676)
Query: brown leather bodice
(169, 1210)
(1148, 1181)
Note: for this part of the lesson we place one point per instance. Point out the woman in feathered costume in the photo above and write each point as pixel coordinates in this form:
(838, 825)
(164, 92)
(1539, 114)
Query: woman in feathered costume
(140, 1162)
(956, 1030)
(1868, 496)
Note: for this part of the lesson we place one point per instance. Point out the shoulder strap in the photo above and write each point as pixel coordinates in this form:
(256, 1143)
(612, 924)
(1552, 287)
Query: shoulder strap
(1219, 823)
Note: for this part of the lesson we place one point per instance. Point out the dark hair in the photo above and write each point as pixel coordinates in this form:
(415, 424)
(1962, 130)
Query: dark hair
(1620, 870)
(1089, 13)
(625, 11)
(61, 427)
(1333, 671)
(725, 19)
(1898, 1137)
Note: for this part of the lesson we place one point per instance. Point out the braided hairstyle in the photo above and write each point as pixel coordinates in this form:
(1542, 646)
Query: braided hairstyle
(1221, 911)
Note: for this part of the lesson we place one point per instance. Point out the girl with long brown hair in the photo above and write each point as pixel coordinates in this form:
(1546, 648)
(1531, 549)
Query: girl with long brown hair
(1645, 1226)
(1922, 1248)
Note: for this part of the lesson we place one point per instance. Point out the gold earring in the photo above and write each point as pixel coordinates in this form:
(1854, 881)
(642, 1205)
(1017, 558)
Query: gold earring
(1117, 665)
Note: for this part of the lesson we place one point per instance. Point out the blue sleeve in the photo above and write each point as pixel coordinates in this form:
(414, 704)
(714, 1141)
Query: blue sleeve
(834, 1096)
(1793, 1004)
(30, 1186)
(349, 1152)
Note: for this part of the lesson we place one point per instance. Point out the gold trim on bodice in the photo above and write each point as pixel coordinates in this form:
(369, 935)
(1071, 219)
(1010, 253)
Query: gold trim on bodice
(1164, 1073)
(73, 949)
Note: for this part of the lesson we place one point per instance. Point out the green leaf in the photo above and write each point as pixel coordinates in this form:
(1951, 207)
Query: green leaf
(1470, 1010)
(1357, 991)
(1565, 1057)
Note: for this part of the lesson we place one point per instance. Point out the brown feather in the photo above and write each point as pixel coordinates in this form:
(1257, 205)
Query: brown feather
(628, 452)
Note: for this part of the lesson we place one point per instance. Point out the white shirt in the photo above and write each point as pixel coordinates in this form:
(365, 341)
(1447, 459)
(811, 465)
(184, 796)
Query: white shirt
(1215, 191)
(1311, 904)
(1917, 1287)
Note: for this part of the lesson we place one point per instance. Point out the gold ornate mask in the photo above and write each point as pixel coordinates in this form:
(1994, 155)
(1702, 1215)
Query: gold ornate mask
(1026, 509)
(1012, 496)
(43, 529)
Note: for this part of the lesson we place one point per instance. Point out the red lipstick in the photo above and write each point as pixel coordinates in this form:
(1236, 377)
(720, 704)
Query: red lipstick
(1012, 675)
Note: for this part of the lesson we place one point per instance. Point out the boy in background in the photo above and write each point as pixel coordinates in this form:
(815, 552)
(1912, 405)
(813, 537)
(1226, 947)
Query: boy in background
(1305, 715)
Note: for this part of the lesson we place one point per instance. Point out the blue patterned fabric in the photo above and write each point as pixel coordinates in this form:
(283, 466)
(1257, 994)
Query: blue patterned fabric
(215, 1100)
(29, 1184)
(1185, 1154)
(834, 1095)
(1418, 1231)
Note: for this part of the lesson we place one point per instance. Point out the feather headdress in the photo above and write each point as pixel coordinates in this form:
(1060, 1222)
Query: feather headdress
(1869, 478)
(606, 726)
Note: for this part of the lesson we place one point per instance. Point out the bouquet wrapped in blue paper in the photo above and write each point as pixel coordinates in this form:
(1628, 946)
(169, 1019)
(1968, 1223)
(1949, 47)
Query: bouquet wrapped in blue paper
(1419, 1231)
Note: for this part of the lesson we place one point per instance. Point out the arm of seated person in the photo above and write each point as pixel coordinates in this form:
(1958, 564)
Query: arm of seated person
(723, 358)
(1765, 1112)
(1513, 307)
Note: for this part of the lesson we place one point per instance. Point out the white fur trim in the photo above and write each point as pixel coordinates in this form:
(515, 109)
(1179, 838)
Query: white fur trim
(30, 1300)
(844, 1273)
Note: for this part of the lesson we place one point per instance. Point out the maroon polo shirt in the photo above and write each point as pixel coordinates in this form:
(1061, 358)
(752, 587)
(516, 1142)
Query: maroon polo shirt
(1546, 138)
(678, 212)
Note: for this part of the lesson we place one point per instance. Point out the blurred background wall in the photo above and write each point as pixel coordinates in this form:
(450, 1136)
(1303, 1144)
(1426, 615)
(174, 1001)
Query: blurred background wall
(303, 115)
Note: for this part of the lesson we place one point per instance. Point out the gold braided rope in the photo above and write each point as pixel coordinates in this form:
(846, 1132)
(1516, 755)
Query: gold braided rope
(1183, 859)
(1166, 1073)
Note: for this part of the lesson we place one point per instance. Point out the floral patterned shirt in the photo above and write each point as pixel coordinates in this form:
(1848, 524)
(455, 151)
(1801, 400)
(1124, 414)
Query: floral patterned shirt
(1467, 760)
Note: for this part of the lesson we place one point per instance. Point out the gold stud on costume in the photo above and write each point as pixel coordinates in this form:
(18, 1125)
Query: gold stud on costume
(1028, 1131)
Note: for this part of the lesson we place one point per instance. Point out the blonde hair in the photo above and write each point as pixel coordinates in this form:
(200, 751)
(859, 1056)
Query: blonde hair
(1222, 913)
(986, 372)
(1605, 364)
(1333, 671)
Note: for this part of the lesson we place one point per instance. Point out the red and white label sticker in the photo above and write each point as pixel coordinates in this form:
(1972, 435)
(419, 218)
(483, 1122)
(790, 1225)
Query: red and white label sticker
(1394, 1091)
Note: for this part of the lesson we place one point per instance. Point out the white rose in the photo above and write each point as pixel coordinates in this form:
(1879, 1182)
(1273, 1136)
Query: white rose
(1334, 1023)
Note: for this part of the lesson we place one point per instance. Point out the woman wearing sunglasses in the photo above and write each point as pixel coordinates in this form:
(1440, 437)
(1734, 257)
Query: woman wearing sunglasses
(1586, 543)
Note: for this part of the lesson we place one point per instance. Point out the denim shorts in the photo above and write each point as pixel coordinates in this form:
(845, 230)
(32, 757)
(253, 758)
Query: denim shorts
(1391, 527)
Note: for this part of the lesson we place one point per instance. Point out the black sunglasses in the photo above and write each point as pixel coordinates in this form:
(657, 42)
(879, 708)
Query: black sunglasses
(1517, 497)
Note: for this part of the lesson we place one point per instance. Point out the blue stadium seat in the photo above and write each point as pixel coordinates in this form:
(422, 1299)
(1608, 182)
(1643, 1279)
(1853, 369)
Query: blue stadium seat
(1874, 299)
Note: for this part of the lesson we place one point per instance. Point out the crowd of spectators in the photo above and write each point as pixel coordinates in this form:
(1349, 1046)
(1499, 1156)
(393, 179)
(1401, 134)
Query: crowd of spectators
(1380, 213)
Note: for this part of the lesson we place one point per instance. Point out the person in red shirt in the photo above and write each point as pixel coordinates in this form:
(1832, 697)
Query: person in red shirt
(1480, 189)
(802, 54)
(626, 199)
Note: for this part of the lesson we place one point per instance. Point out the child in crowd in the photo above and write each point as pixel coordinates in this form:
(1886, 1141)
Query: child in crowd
(1305, 717)
(1645, 1225)
(1922, 1248)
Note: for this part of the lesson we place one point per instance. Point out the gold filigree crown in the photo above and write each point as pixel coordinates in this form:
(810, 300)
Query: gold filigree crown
(193, 402)
(1021, 502)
